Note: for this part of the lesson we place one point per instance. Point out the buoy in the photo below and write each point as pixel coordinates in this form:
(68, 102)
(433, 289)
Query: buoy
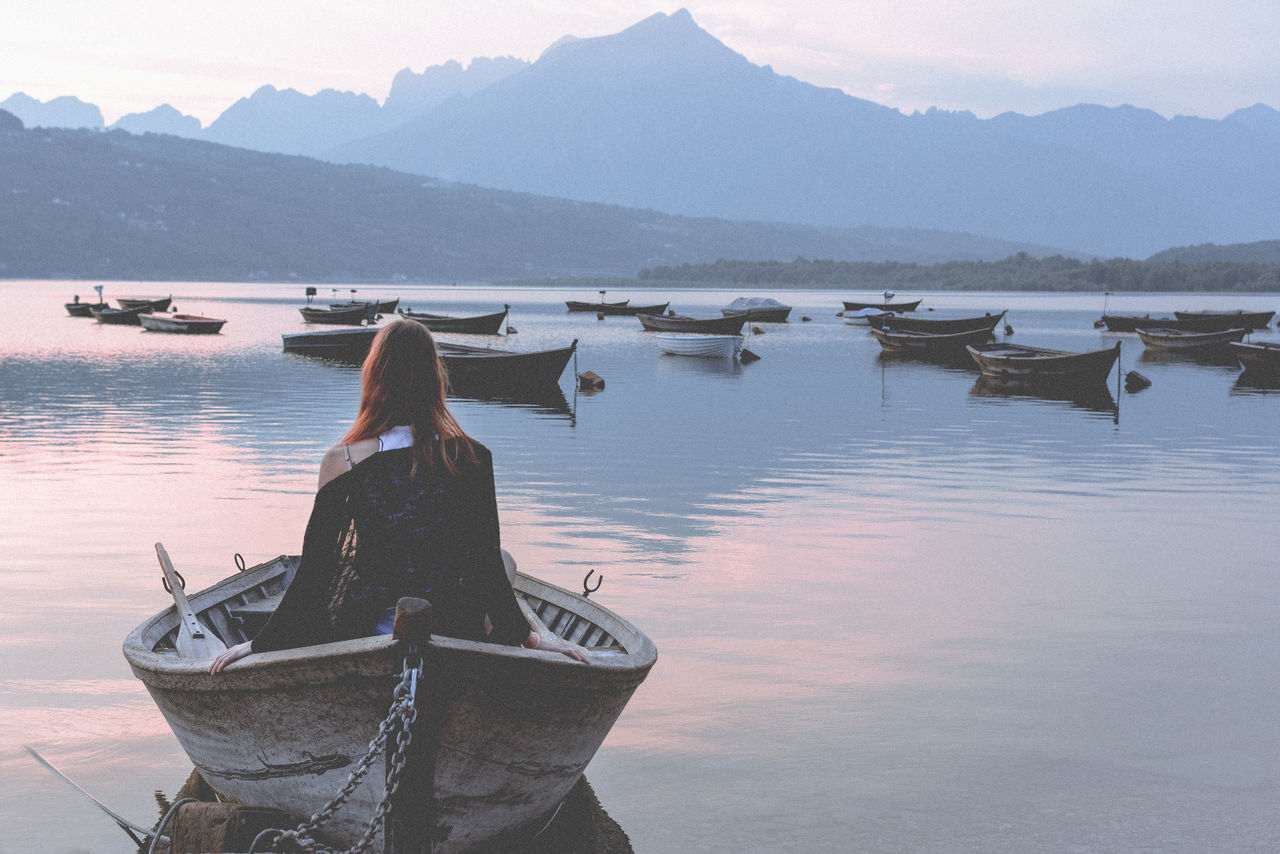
(590, 381)
(511, 330)
(599, 315)
(804, 318)
(1008, 330)
(756, 330)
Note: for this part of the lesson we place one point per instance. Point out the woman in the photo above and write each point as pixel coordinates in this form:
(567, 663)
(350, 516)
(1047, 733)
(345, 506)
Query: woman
(405, 507)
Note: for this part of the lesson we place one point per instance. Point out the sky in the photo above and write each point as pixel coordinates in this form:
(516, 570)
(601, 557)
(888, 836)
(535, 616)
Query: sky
(1175, 57)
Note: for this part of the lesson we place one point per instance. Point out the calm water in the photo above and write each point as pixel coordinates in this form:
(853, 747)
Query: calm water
(895, 611)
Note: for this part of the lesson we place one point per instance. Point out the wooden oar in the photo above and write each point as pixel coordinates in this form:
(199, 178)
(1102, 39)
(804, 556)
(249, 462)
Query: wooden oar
(136, 832)
(194, 640)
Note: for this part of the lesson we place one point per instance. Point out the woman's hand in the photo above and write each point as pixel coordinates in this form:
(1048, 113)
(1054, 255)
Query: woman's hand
(551, 642)
(227, 656)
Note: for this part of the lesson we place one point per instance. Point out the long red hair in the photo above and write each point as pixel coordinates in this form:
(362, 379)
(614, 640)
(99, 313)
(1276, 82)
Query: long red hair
(404, 382)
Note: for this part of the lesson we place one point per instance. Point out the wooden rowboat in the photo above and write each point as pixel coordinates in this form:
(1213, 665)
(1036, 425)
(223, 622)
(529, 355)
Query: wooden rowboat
(624, 307)
(84, 309)
(1019, 363)
(883, 306)
(929, 342)
(372, 307)
(351, 315)
(1261, 358)
(161, 304)
(935, 325)
(190, 324)
(1235, 319)
(729, 324)
(516, 727)
(703, 346)
(1182, 339)
(119, 316)
(480, 324)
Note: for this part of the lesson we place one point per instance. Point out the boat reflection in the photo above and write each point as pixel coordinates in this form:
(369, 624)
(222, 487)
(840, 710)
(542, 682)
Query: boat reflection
(1095, 398)
(546, 401)
(726, 366)
(1216, 357)
(953, 360)
(1256, 383)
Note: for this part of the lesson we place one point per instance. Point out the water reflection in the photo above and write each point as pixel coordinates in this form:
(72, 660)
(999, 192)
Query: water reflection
(1094, 398)
(1211, 356)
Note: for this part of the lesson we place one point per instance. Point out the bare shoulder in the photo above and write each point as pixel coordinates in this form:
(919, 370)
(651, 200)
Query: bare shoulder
(335, 460)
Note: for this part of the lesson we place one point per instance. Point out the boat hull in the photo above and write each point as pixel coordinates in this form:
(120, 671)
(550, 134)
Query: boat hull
(479, 371)
(929, 342)
(148, 304)
(516, 727)
(883, 306)
(119, 316)
(188, 324)
(1233, 319)
(618, 308)
(700, 346)
(481, 324)
(1261, 358)
(730, 324)
(84, 309)
(344, 345)
(1038, 365)
(351, 316)
(1179, 339)
(938, 326)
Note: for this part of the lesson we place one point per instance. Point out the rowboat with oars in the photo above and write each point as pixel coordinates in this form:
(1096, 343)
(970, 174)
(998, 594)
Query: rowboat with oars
(1040, 365)
(513, 728)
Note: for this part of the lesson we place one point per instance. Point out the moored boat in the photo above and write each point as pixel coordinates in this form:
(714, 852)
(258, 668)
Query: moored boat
(935, 325)
(696, 344)
(190, 324)
(480, 324)
(1184, 339)
(515, 727)
(617, 308)
(342, 345)
(478, 371)
(886, 305)
(161, 304)
(1261, 358)
(375, 306)
(929, 342)
(761, 309)
(84, 309)
(729, 324)
(119, 316)
(352, 315)
(1236, 318)
(1021, 363)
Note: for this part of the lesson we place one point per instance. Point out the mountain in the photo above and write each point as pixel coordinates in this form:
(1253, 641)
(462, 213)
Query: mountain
(112, 205)
(63, 112)
(414, 94)
(163, 119)
(288, 122)
(664, 116)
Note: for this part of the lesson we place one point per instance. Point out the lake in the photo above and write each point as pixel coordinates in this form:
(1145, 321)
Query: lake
(896, 610)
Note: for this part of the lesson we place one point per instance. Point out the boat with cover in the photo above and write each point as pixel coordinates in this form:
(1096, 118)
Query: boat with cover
(190, 324)
(762, 309)
(930, 342)
(1020, 363)
(1184, 339)
(729, 324)
(351, 315)
(120, 316)
(1261, 358)
(513, 728)
(703, 346)
(479, 324)
(161, 304)
(936, 325)
(1236, 318)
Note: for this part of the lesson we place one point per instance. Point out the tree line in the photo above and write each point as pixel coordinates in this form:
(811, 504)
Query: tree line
(1020, 272)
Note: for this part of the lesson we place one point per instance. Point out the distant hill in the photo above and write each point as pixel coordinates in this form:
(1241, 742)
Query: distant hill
(111, 205)
(1262, 252)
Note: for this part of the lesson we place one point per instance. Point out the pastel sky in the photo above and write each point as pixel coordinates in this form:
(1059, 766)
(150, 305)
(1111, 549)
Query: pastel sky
(988, 56)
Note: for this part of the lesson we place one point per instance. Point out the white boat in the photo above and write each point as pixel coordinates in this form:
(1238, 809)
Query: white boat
(190, 324)
(858, 317)
(516, 727)
(695, 344)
